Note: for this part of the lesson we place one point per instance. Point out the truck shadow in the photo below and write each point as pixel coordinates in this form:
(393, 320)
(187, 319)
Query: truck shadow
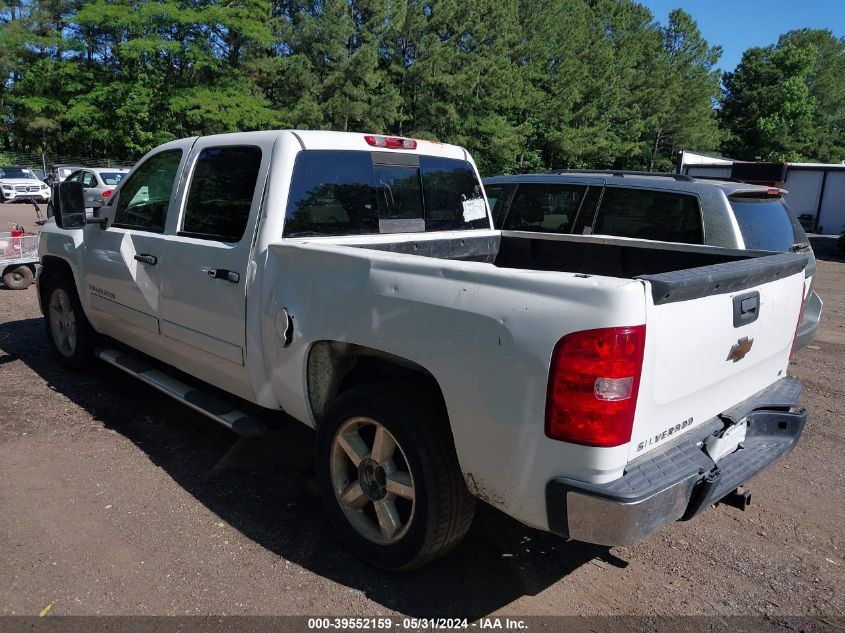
(266, 490)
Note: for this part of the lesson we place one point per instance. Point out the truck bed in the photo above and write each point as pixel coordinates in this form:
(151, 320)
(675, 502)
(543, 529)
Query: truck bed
(660, 263)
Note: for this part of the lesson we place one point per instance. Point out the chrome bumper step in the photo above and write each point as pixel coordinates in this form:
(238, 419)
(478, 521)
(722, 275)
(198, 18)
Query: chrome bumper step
(204, 402)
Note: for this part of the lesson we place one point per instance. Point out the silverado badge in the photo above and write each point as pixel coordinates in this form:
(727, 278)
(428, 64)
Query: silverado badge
(742, 347)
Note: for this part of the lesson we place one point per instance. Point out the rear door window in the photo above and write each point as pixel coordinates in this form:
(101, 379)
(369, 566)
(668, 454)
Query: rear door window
(494, 192)
(764, 223)
(649, 215)
(336, 192)
(497, 199)
(587, 213)
(89, 180)
(546, 208)
(221, 193)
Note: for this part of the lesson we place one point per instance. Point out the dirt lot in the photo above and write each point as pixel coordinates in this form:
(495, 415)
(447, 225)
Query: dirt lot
(21, 214)
(115, 500)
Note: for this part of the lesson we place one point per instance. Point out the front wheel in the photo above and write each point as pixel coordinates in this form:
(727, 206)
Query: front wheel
(389, 476)
(70, 334)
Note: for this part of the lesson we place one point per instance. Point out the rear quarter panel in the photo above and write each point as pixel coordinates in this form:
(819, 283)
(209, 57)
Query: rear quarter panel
(484, 333)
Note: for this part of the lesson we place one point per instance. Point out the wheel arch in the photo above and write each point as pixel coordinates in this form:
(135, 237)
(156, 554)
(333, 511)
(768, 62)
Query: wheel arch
(50, 267)
(333, 367)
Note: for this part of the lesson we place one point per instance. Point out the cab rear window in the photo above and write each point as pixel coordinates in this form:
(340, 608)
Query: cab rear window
(764, 223)
(336, 192)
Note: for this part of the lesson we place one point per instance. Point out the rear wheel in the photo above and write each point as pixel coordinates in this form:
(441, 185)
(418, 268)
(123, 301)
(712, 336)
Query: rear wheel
(70, 334)
(389, 476)
(18, 278)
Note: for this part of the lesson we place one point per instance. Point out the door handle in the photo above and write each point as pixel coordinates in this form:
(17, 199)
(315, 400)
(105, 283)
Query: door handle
(221, 273)
(152, 260)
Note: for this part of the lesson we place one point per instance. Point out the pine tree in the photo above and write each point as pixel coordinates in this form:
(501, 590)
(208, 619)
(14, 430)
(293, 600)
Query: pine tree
(768, 106)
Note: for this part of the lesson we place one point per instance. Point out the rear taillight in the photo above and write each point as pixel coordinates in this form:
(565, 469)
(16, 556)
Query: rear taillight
(391, 142)
(798, 325)
(593, 384)
(107, 193)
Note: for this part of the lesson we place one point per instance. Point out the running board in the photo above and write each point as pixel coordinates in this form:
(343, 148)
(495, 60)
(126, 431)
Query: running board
(208, 404)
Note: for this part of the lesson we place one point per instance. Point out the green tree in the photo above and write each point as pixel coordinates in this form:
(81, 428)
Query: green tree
(524, 84)
(571, 93)
(464, 85)
(113, 78)
(767, 104)
(826, 82)
(31, 45)
(678, 97)
(330, 71)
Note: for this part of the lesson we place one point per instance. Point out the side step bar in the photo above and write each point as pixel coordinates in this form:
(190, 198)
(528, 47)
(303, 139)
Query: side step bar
(208, 404)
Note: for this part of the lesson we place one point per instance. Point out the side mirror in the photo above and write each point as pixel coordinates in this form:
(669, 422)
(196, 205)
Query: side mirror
(68, 205)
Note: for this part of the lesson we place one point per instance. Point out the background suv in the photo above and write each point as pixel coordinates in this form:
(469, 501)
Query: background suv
(662, 207)
(19, 184)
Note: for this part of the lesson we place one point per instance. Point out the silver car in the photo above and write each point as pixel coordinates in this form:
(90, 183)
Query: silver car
(98, 183)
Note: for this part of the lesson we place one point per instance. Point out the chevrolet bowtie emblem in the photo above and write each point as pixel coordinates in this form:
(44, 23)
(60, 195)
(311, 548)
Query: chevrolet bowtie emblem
(742, 347)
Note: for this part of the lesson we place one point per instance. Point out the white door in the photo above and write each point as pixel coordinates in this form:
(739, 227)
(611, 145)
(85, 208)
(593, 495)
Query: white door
(204, 285)
(124, 261)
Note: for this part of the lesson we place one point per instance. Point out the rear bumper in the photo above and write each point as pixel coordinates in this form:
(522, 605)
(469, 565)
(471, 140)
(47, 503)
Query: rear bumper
(680, 480)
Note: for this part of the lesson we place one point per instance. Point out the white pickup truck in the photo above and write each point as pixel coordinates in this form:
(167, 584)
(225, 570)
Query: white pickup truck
(598, 388)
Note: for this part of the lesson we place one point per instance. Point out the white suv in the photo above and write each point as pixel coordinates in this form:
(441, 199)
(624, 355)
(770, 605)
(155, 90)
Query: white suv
(19, 184)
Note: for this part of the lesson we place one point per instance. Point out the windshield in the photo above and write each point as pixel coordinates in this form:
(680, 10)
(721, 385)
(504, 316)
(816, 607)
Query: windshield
(765, 223)
(111, 177)
(16, 172)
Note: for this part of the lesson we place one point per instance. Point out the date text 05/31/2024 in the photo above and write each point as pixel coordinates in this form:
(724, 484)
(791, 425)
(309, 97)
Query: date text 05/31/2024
(416, 624)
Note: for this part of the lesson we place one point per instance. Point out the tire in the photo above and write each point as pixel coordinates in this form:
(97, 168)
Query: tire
(432, 509)
(18, 278)
(72, 339)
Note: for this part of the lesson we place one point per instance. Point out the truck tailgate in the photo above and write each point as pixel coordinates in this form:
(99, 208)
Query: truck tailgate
(714, 336)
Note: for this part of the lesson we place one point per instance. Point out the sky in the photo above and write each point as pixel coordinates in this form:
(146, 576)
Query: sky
(739, 24)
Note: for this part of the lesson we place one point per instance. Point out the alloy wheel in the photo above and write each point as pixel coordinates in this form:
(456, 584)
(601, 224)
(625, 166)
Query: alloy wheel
(63, 322)
(372, 480)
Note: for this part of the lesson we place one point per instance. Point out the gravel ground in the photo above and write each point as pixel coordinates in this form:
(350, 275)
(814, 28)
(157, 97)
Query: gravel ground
(115, 500)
